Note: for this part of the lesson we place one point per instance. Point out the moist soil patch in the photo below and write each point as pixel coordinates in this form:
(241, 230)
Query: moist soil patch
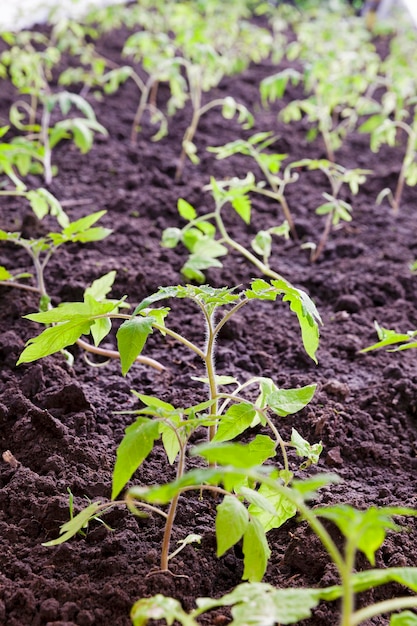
(61, 423)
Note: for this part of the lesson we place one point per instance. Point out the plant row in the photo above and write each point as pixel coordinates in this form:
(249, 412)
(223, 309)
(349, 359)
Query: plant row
(191, 47)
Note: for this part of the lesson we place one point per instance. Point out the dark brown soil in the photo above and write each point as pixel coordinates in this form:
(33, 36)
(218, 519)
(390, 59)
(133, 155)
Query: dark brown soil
(61, 425)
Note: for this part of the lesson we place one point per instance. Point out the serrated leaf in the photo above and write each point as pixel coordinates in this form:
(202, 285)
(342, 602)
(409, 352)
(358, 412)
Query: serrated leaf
(157, 608)
(54, 339)
(231, 522)
(131, 338)
(238, 455)
(306, 449)
(256, 551)
(284, 402)
(235, 421)
(283, 508)
(73, 526)
(100, 287)
(135, 446)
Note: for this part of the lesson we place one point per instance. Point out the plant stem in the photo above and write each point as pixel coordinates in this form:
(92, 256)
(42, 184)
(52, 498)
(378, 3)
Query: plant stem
(264, 269)
(113, 354)
(278, 194)
(10, 283)
(409, 154)
(46, 118)
(323, 239)
(348, 597)
(386, 606)
(171, 514)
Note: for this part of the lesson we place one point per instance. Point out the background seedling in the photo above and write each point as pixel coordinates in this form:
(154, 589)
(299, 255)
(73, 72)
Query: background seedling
(41, 251)
(337, 71)
(335, 209)
(270, 165)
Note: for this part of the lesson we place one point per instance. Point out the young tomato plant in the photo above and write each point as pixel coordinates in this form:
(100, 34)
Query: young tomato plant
(43, 137)
(223, 415)
(337, 71)
(392, 340)
(274, 185)
(385, 130)
(335, 209)
(41, 251)
(260, 603)
(207, 238)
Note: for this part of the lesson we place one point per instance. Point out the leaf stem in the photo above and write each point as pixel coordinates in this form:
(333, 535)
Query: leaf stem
(386, 606)
(114, 354)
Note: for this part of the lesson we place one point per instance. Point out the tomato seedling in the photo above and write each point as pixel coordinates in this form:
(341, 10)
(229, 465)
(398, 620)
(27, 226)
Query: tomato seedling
(225, 416)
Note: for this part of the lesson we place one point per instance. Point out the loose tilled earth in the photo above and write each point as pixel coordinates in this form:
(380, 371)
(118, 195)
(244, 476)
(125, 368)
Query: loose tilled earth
(61, 423)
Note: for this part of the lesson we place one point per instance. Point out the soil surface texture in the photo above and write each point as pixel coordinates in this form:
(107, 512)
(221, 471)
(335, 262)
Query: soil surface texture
(62, 425)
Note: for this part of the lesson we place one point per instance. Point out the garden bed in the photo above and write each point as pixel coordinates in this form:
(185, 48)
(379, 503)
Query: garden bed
(62, 424)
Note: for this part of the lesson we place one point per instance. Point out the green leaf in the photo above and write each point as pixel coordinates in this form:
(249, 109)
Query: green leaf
(4, 273)
(101, 287)
(169, 441)
(235, 421)
(371, 124)
(154, 402)
(157, 608)
(305, 449)
(171, 237)
(74, 525)
(43, 202)
(238, 455)
(134, 448)
(282, 508)
(406, 618)
(162, 494)
(388, 337)
(255, 550)
(281, 606)
(68, 311)
(131, 338)
(54, 339)
(369, 579)
(284, 402)
(83, 224)
(231, 523)
(261, 244)
(100, 328)
(300, 304)
(263, 604)
(366, 529)
(186, 210)
(242, 205)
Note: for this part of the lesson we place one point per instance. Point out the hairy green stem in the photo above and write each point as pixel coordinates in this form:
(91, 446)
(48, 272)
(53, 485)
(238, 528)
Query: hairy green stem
(386, 606)
(171, 514)
(264, 269)
(348, 597)
(46, 119)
